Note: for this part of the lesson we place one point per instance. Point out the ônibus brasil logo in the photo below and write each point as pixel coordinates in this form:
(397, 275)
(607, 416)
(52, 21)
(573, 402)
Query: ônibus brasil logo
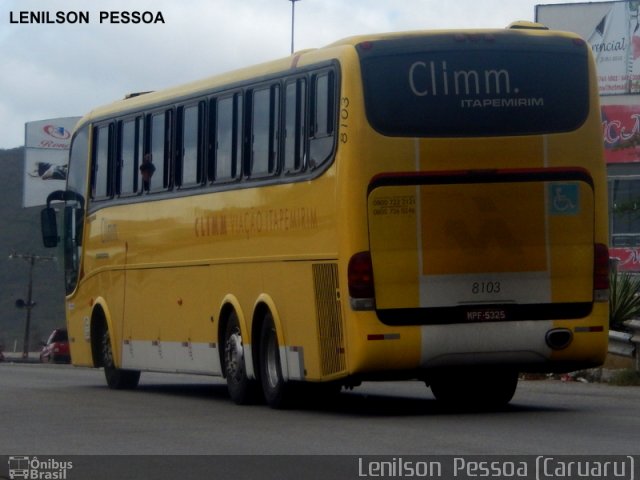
(31, 468)
(57, 132)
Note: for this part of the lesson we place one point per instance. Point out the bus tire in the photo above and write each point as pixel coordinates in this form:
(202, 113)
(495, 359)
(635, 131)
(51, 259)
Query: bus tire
(242, 389)
(117, 378)
(277, 391)
(475, 389)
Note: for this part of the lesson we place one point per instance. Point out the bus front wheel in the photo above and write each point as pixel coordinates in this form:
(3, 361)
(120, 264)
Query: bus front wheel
(117, 378)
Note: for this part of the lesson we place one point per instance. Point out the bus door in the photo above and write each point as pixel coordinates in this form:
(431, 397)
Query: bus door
(71, 232)
(482, 246)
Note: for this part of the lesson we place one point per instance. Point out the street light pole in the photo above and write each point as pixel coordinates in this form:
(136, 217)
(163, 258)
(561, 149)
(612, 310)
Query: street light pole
(293, 19)
(25, 344)
(29, 304)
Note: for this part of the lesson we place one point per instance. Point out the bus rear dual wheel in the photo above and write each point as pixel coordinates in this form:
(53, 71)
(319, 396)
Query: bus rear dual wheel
(242, 389)
(277, 392)
(271, 386)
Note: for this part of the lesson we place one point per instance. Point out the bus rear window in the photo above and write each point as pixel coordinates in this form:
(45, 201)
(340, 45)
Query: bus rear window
(451, 85)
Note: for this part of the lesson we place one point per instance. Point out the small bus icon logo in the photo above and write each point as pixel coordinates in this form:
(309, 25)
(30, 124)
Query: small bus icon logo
(18, 467)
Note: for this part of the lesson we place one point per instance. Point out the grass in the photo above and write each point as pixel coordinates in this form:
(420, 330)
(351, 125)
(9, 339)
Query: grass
(626, 378)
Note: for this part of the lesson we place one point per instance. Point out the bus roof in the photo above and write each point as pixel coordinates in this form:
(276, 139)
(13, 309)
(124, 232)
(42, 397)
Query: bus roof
(135, 102)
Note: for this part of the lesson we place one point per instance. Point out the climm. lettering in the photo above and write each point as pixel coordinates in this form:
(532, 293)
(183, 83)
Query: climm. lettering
(434, 78)
(49, 17)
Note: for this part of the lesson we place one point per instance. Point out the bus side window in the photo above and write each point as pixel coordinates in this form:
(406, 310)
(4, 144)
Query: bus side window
(210, 142)
(129, 155)
(189, 145)
(321, 140)
(228, 138)
(101, 175)
(295, 125)
(154, 169)
(264, 131)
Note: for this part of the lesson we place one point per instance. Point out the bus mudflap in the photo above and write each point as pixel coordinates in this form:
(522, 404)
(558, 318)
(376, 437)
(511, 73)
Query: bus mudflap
(490, 245)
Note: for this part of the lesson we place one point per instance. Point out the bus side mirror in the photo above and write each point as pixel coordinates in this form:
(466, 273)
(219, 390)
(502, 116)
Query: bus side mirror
(49, 227)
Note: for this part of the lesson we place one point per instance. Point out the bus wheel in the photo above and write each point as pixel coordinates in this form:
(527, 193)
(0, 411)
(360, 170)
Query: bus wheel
(473, 389)
(277, 392)
(242, 389)
(117, 378)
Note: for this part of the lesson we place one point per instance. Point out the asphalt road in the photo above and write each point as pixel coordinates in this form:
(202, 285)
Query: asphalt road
(62, 410)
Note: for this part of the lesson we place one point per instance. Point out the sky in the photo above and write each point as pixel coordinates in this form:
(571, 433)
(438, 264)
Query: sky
(63, 69)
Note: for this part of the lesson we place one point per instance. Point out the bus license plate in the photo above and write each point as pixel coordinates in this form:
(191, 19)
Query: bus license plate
(486, 315)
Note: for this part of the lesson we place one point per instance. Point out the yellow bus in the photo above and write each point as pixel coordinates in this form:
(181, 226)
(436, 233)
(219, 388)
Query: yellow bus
(423, 205)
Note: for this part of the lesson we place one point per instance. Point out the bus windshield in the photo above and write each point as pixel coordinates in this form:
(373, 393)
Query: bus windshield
(450, 85)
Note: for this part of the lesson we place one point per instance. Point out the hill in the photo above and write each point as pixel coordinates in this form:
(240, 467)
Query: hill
(21, 234)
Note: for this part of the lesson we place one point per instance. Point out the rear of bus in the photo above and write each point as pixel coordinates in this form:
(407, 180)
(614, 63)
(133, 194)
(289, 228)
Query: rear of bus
(484, 250)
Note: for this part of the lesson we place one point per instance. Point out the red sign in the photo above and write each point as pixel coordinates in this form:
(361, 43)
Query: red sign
(621, 129)
(628, 258)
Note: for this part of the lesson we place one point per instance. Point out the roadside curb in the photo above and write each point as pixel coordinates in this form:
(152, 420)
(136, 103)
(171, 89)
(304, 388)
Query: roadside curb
(34, 357)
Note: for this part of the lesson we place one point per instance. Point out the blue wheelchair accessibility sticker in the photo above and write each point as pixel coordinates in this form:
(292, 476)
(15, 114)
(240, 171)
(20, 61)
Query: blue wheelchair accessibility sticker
(564, 198)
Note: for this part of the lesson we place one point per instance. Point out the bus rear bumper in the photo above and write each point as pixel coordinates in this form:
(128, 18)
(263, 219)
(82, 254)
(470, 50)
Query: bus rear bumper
(524, 345)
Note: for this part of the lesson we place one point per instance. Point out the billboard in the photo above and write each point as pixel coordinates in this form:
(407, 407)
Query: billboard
(46, 155)
(613, 32)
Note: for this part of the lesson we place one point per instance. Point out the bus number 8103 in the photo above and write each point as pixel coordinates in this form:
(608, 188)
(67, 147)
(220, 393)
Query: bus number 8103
(485, 287)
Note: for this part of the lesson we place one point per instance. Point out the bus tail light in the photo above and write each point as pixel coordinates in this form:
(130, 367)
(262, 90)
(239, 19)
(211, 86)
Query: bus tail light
(601, 273)
(360, 274)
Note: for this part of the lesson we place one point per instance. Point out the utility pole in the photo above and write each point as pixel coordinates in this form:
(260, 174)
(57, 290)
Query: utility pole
(29, 304)
(293, 20)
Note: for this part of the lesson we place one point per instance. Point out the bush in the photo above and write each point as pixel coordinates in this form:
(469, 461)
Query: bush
(624, 299)
(625, 378)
